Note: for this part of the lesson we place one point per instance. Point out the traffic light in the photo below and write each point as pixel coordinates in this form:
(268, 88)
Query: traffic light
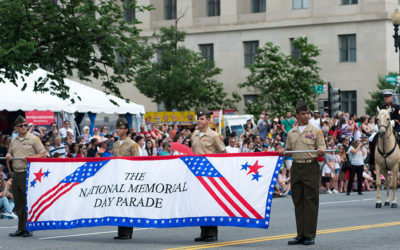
(334, 100)
(323, 105)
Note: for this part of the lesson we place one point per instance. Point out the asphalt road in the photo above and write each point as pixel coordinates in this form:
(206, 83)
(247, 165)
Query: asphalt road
(345, 222)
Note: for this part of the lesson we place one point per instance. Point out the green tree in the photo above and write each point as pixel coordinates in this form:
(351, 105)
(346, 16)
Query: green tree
(377, 96)
(281, 80)
(84, 37)
(181, 78)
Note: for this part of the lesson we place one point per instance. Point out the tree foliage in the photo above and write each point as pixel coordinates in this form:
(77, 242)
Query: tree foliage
(179, 77)
(84, 37)
(377, 96)
(281, 80)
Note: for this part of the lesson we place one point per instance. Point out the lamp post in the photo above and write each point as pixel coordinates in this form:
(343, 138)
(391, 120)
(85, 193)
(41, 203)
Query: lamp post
(396, 22)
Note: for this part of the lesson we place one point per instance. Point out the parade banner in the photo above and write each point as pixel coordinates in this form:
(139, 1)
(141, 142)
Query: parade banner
(181, 117)
(39, 117)
(157, 191)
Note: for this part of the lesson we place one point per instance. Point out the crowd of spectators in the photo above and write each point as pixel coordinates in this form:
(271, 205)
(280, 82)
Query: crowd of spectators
(346, 134)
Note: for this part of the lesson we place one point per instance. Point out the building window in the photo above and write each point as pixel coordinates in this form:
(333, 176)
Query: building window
(250, 51)
(213, 8)
(294, 51)
(169, 9)
(258, 6)
(129, 14)
(349, 101)
(300, 4)
(207, 51)
(248, 99)
(349, 2)
(347, 48)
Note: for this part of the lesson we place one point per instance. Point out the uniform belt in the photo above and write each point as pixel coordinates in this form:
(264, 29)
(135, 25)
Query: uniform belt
(20, 171)
(304, 161)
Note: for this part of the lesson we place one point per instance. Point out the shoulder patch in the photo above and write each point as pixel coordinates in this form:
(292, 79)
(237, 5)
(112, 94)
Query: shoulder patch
(320, 133)
(136, 146)
(37, 138)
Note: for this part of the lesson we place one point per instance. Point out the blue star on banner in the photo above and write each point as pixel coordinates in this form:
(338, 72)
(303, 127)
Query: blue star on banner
(33, 183)
(256, 176)
(46, 174)
(245, 166)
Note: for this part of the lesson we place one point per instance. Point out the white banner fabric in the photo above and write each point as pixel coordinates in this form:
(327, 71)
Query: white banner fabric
(160, 192)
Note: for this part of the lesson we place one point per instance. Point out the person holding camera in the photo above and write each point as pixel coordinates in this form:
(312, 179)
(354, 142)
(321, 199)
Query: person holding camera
(357, 154)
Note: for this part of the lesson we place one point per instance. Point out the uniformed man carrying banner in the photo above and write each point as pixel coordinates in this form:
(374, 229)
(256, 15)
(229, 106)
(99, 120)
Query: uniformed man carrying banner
(125, 146)
(206, 141)
(305, 175)
(23, 146)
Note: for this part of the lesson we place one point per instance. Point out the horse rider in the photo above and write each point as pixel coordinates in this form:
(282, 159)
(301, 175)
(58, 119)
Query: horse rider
(394, 117)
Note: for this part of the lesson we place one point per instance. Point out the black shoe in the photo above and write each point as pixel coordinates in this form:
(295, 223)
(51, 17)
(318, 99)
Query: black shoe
(210, 238)
(348, 193)
(359, 193)
(201, 238)
(295, 241)
(308, 241)
(123, 237)
(206, 238)
(16, 233)
(27, 234)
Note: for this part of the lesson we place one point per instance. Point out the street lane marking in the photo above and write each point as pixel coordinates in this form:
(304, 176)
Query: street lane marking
(337, 202)
(285, 236)
(8, 227)
(77, 235)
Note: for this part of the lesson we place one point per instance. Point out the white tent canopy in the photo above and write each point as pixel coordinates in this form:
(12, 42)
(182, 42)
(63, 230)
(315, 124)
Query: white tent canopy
(92, 100)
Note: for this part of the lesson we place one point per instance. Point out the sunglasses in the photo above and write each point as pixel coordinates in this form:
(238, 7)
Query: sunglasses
(387, 95)
(22, 125)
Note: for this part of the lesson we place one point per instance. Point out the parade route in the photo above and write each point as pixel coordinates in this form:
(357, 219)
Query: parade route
(344, 222)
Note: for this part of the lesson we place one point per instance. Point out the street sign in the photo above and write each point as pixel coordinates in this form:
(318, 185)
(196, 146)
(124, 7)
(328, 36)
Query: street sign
(391, 79)
(319, 89)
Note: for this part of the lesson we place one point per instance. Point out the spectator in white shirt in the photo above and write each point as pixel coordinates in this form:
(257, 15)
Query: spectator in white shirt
(316, 120)
(232, 146)
(63, 131)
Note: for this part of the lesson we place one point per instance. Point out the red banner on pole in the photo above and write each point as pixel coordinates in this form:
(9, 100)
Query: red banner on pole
(39, 117)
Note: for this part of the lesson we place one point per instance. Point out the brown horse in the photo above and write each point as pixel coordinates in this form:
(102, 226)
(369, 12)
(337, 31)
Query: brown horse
(387, 157)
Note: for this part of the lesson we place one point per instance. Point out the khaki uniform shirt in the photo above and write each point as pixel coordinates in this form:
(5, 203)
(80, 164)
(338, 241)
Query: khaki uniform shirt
(127, 148)
(29, 145)
(209, 143)
(311, 138)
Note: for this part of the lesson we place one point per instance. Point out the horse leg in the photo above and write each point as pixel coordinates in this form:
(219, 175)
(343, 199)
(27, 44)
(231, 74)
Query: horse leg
(387, 184)
(394, 185)
(378, 186)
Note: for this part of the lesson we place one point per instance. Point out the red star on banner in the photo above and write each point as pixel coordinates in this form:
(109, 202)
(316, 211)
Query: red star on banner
(254, 168)
(39, 175)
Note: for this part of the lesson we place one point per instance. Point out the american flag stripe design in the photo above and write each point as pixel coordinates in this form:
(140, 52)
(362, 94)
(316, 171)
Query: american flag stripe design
(65, 190)
(219, 188)
(216, 198)
(241, 199)
(228, 198)
(42, 197)
(47, 199)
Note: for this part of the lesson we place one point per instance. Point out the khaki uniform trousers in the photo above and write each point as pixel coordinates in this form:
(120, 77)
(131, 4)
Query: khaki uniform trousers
(305, 196)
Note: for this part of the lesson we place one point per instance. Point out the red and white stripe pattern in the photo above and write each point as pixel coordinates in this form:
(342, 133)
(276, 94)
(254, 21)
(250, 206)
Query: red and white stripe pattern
(219, 188)
(47, 199)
